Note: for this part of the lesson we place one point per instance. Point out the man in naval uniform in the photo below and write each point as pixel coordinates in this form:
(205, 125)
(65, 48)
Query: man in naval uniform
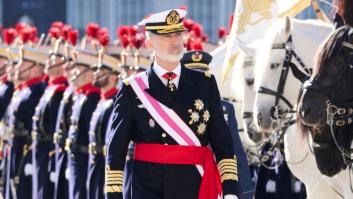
(200, 60)
(85, 99)
(62, 124)
(173, 114)
(44, 121)
(106, 77)
(18, 120)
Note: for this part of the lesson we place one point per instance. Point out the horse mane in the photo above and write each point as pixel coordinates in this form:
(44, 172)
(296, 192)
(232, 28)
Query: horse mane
(330, 48)
(345, 9)
(263, 52)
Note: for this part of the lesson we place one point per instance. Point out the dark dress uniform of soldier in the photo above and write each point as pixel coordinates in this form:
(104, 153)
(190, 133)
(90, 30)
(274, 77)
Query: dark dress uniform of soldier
(97, 133)
(61, 187)
(85, 100)
(6, 91)
(99, 129)
(196, 93)
(19, 121)
(44, 122)
(200, 60)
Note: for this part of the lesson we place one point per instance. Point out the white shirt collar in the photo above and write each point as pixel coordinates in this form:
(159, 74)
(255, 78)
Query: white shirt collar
(160, 71)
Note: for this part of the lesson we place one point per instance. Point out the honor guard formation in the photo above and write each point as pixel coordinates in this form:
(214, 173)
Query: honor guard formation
(144, 116)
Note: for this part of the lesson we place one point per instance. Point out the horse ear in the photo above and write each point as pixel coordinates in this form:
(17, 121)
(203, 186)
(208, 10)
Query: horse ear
(288, 25)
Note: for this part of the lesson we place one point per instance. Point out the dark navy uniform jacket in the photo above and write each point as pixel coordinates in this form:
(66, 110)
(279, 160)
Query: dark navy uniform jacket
(132, 122)
(6, 91)
(245, 188)
(44, 121)
(61, 187)
(97, 137)
(19, 119)
(85, 101)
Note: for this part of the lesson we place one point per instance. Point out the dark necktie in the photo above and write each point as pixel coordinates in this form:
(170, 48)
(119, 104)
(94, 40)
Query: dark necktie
(170, 76)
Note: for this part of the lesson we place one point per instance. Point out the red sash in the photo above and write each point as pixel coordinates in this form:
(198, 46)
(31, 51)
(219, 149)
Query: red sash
(210, 187)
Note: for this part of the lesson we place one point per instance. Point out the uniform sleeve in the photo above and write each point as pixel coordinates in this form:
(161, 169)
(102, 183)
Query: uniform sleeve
(245, 183)
(118, 141)
(221, 142)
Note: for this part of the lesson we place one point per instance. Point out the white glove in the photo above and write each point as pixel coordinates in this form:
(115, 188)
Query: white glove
(52, 177)
(230, 196)
(28, 169)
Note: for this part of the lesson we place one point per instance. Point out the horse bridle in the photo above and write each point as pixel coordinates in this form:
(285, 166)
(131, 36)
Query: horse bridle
(277, 112)
(337, 115)
(302, 75)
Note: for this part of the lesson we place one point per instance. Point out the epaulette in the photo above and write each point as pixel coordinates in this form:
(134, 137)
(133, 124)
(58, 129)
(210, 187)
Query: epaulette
(208, 73)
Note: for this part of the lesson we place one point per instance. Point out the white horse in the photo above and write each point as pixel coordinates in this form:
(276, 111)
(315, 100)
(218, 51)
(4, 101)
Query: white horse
(283, 60)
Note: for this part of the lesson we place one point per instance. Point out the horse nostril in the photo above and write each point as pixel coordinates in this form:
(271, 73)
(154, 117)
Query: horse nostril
(259, 119)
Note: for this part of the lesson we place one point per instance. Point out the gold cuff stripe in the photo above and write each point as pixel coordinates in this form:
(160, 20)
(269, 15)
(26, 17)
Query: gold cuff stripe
(114, 172)
(233, 164)
(178, 25)
(114, 175)
(227, 167)
(229, 171)
(112, 189)
(114, 183)
(229, 177)
(112, 179)
(227, 161)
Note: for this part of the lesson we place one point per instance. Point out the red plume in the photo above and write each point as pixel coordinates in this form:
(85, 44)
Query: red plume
(138, 40)
(184, 7)
(132, 30)
(92, 30)
(9, 35)
(57, 24)
(204, 38)
(34, 32)
(123, 35)
(197, 29)
(54, 32)
(64, 31)
(25, 34)
(222, 32)
(19, 27)
(188, 23)
(196, 45)
(231, 18)
(103, 36)
(72, 36)
(122, 30)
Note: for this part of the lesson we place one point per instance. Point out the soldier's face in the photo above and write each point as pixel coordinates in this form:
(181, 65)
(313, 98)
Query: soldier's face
(22, 70)
(100, 77)
(68, 67)
(3, 63)
(81, 75)
(169, 47)
(53, 65)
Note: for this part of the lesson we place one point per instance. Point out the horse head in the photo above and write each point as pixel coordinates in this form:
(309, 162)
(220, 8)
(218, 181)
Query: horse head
(283, 63)
(327, 102)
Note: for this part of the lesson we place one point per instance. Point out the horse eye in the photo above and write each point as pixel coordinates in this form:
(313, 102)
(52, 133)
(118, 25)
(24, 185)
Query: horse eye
(250, 81)
(274, 65)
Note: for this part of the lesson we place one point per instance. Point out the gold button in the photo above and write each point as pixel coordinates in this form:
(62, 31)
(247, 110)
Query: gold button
(164, 135)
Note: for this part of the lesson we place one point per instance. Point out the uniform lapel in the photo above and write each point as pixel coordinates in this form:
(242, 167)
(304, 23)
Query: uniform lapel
(157, 89)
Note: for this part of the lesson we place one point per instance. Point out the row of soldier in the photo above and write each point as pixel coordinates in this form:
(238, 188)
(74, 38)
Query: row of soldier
(56, 102)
